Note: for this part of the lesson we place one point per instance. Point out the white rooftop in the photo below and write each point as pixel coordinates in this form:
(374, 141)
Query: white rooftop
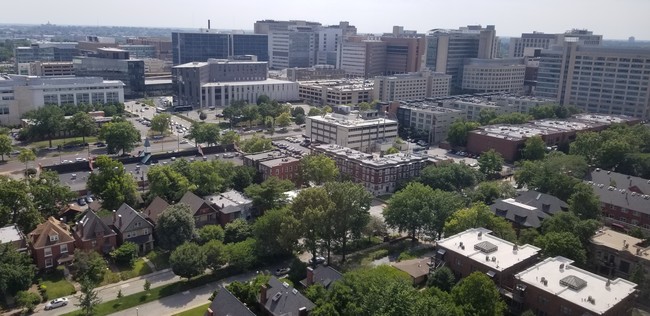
(352, 120)
(247, 83)
(477, 244)
(575, 285)
(9, 234)
(512, 201)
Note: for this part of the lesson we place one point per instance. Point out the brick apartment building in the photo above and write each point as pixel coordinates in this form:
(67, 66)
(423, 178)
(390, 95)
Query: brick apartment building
(477, 250)
(617, 254)
(555, 287)
(275, 164)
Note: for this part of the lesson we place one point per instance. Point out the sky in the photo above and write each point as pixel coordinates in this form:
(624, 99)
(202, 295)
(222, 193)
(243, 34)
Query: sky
(614, 19)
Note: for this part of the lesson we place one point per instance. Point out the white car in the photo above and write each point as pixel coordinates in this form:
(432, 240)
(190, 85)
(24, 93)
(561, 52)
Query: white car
(184, 141)
(56, 303)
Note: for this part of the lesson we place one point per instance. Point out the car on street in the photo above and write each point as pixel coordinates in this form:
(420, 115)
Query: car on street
(317, 260)
(228, 155)
(282, 271)
(56, 303)
(184, 141)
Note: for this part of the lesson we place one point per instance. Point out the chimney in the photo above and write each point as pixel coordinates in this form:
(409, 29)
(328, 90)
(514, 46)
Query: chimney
(302, 311)
(114, 214)
(310, 276)
(208, 24)
(263, 290)
(80, 227)
(120, 219)
(210, 312)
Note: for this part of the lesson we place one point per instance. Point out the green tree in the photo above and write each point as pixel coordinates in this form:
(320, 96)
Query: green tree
(458, 131)
(188, 260)
(175, 226)
(638, 276)
(284, 119)
(146, 286)
(16, 270)
(88, 299)
(311, 207)
(528, 235)
(16, 205)
(443, 278)
(479, 215)
(215, 254)
(202, 132)
(299, 119)
(255, 144)
(242, 254)
(202, 116)
(586, 145)
(534, 148)
(119, 136)
(25, 156)
(269, 194)
(298, 110)
(297, 271)
(318, 168)
(562, 244)
(477, 295)
(584, 202)
(161, 122)
(486, 115)
(568, 222)
(167, 183)
(490, 163)
(489, 191)
(46, 122)
(242, 177)
(450, 177)
(29, 300)
(208, 233)
(89, 266)
(392, 150)
(126, 254)
(351, 211)
(113, 184)
(48, 194)
(5, 146)
(236, 231)
(543, 111)
(276, 233)
(250, 113)
(82, 124)
(262, 99)
(557, 174)
(314, 112)
(612, 152)
(229, 138)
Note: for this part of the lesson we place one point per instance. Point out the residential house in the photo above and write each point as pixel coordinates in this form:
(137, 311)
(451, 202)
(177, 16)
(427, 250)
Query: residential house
(203, 212)
(279, 298)
(323, 275)
(616, 254)
(51, 244)
(132, 226)
(226, 304)
(91, 233)
(477, 250)
(556, 287)
(70, 212)
(155, 208)
(231, 205)
(417, 269)
(11, 234)
(528, 209)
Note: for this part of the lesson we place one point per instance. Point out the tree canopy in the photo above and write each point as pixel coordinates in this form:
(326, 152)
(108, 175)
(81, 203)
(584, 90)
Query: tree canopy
(450, 177)
(17, 270)
(318, 168)
(269, 194)
(82, 124)
(175, 226)
(458, 131)
(121, 135)
(255, 144)
(534, 148)
(202, 132)
(477, 295)
(112, 183)
(479, 215)
(562, 244)
(188, 260)
(161, 122)
(168, 183)
(490, 163)
(46, 122)
(276, 232)
(351, 211)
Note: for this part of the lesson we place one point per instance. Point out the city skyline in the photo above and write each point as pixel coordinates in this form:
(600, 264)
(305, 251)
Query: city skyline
(511, 18)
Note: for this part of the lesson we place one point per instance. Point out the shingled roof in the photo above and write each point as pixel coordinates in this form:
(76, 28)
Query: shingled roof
(193, 201)
(155, 208)
(226, 304)
(90, 225)
(632, 193)
(127, 213)
(40, 237)
(282, 299)
(529, 208)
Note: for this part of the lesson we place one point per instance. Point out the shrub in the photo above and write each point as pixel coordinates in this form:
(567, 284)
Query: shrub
(147, 285)
(29, 300)
(126, 254)
(405, 255)
(378, 254)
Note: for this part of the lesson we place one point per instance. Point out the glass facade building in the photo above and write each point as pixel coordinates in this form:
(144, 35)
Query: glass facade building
(199, 47)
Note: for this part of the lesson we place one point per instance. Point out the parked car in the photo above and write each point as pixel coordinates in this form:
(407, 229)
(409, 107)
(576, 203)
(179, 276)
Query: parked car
(228, 155)
(56, 303)
(89, 199)
(81, 201)
(282, 271)
(317, 260)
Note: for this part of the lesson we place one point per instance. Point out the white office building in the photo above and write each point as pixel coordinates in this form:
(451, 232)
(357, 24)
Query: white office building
(336, 92)
(223, 93)
(428, 118)
(493, 75)
(352, 131)
(412, 86)
(21, 94)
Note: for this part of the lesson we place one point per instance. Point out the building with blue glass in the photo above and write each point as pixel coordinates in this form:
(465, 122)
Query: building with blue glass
(190, 47)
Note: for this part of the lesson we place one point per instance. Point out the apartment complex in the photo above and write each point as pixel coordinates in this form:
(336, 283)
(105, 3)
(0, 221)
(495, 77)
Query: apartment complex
(352, 131)
(379, 175)
(518, 45)
(476, 249)
(113, 64)
(275, 164)
(624, 199)
(447, 49)
(556, 287)
(21, 94)
(608, 80)
(220, 82)
(508, 140)
(336, 92)
(427, 118)
(200, 46)
(616, 254)
(493, 75)
(411, 86)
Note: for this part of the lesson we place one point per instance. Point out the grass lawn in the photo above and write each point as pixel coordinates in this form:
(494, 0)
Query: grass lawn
(56, 285)
(139, 268)
(196, 311)
(159, 259)
(63, 142)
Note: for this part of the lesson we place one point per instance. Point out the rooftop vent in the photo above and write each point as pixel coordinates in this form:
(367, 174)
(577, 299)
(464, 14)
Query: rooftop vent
(486, 247)
(573, 282)
(277, 296)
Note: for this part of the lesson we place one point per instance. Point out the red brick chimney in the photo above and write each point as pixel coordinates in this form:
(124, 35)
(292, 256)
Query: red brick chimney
(263, 290)
(310, 276)
(302, 311)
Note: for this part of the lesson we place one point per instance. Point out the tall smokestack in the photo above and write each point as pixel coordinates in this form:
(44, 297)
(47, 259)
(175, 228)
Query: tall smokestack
(208, 24)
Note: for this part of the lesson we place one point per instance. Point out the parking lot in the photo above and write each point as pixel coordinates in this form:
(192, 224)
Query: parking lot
(445, 154)
(295, 145)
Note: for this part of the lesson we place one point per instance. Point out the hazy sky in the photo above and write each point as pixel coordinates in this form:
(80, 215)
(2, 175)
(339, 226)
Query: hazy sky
(615, 19)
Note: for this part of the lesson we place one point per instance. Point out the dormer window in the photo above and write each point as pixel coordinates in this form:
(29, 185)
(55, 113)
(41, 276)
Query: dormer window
(54, 237)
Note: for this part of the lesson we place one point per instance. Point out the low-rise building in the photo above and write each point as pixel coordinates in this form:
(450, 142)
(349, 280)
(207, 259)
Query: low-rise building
(556, 287)
(616, 254)
(51, 244)
(92, 234)
(51, 68)
(200, 209)
(418, 269)
(477, 250)
(379, 175)
(323, 275)
(285, 168)
(624, 199)
(352, 131)
(317, 72)
(279, 298)
(412, 86)
(11, 234)
(528, 209)
(226, 304)
(231, 205)
(155, 208)
(336, 92)
(130, 225)
(428, 119)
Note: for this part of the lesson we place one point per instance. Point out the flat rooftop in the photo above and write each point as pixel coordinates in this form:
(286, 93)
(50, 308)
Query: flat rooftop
(477, 244)
(278, 161)
(351, 120)
(229, 198)
(9, 234)
(340, 84)
(370, 159)
(247, 83)
(621, 242)
(558, 277)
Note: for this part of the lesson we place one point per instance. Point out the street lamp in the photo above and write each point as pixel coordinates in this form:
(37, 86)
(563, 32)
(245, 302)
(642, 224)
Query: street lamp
(137, 311)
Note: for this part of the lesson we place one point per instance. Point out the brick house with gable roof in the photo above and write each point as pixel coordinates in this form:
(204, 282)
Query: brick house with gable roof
(51, 244)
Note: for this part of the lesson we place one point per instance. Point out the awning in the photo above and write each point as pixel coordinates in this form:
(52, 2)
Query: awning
(491, 273)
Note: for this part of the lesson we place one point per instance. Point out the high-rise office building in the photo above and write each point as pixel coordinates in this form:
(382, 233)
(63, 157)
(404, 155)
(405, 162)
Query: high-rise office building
(362, 56)
(267, 26)
(448, 49)
(411, 86)
(113, 64)
(545, 41)
(493, 75)
(605, 80)
(200, 46)
(294, 47)
(329, 39)
(163, 46)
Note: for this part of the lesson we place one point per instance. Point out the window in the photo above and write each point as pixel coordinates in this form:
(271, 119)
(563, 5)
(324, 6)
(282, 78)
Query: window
(54, 237)
(48, 263)
(146, 230)
(48, 252)
(64, 248)
(94, 243)
(565, 310)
